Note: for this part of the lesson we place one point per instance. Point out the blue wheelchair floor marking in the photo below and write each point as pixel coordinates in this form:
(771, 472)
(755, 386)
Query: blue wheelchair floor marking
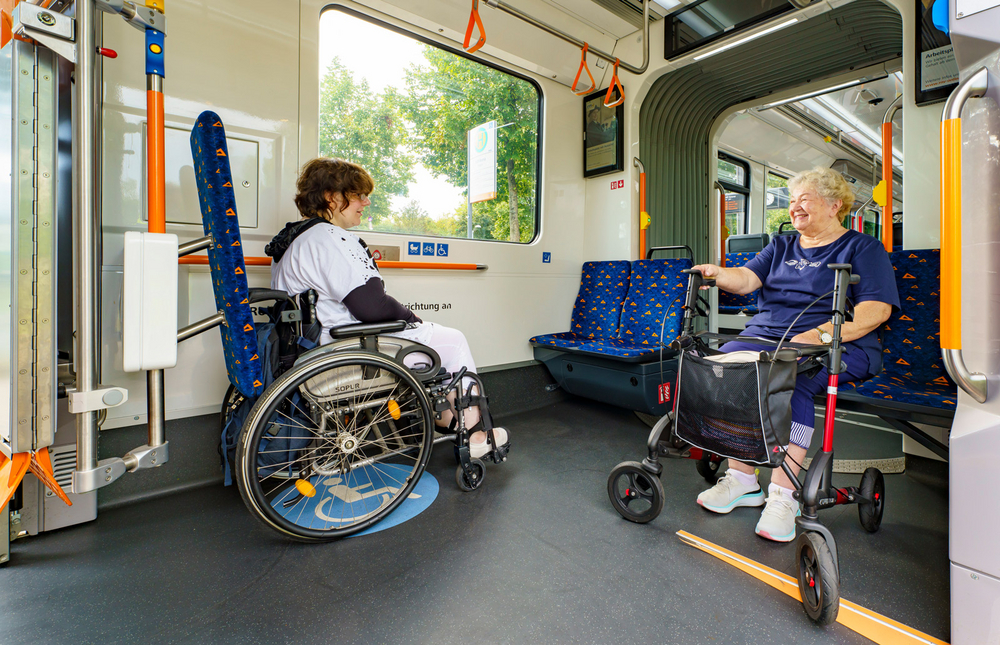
(340, 502)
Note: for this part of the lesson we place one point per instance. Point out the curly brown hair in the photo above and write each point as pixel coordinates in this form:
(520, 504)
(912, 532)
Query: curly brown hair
(323, 176)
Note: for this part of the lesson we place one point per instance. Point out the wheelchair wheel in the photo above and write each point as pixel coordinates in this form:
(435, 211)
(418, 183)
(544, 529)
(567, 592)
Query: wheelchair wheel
(818, 583)
(873, 488)
(709, 468)
(635, 494)
(478, 474)
(334, 445)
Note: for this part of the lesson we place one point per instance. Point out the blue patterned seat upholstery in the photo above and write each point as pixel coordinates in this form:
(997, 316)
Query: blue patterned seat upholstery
(656, 290)
(731, 303)
(229, 280)
(598, 306)
(913, 371)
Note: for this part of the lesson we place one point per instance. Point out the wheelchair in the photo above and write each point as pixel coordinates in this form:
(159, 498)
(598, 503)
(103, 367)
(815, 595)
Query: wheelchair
(721, 430)
(342, 435)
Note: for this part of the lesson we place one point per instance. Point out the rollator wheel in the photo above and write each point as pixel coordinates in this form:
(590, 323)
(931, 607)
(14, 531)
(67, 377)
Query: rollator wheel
(635, 494)
(872, 488)
(818, 581)
(334, 445)
(708, 468)
(478, 474)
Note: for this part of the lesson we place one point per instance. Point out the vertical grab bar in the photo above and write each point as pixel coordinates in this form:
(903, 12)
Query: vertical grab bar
(887, 171)
(643, 215)
(974, 384)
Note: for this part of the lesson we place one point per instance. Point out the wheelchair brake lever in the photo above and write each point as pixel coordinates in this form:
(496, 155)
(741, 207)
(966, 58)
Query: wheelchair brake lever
(456, 379)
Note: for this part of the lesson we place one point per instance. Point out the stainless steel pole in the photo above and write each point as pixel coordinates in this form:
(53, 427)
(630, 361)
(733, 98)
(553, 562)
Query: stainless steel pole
(155, 412)
(84, 138)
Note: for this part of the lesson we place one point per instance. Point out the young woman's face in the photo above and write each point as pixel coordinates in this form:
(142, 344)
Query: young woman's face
(347, 216)
(810, 213)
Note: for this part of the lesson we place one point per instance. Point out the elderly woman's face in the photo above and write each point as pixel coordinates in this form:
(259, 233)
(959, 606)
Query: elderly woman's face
(811, 213)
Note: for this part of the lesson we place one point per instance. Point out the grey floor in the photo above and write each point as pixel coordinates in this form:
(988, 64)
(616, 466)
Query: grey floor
(535, 556)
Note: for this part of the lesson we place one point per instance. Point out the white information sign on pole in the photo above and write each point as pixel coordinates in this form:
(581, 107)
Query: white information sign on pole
(483, 162)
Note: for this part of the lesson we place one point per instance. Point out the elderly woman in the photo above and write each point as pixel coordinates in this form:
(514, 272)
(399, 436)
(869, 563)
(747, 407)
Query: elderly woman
(318, 252)
(790, 273)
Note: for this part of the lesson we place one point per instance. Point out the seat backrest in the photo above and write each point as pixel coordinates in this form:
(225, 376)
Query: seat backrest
(598, 307)
(225, 255)
(911, 338)
(656, 289)
(727, 299)
(752, 243)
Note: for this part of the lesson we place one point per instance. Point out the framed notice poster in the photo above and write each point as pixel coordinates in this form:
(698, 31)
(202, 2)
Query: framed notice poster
(603, 148)
(936, 69)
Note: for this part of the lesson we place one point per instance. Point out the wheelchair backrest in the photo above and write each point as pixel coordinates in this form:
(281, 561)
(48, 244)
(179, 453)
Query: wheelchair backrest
(229, 280)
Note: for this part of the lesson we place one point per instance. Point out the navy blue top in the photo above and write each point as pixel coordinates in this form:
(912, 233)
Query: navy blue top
(793, 277)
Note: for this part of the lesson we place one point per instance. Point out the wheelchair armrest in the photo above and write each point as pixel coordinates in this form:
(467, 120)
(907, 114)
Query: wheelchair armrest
(260, 295)
(367, 329)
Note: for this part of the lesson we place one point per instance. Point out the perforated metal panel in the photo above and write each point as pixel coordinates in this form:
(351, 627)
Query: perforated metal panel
(678, 113)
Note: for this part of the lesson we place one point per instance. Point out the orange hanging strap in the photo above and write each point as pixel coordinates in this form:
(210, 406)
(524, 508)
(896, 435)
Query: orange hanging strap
(614, 83)
(583, 66)
(475, 22)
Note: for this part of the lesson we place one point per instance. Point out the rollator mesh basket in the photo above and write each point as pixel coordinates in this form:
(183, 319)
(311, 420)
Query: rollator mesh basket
(739, 410)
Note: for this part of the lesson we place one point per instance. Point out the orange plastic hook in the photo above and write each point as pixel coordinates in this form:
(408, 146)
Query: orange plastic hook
(614, 83)
(583, 66)
(474, 22)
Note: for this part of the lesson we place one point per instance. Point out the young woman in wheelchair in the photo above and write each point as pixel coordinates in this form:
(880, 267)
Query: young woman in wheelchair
(791, 273)
(319, 253)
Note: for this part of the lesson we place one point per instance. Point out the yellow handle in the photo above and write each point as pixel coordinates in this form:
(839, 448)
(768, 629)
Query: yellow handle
(951, 234)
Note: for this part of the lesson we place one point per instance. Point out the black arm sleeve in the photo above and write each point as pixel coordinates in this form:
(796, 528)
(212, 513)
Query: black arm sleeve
(370, 303)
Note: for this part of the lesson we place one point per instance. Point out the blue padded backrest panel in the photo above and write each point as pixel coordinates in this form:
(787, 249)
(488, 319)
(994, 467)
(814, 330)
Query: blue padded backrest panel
(911, 338)
(727, 299)
(598, 306)
(656, 288)
(225, 256)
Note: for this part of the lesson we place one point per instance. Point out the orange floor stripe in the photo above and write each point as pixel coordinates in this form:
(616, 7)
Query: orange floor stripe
(869, 624)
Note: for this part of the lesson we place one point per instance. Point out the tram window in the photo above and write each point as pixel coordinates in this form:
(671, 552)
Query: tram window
(734, 176)
(776, 202)
(407, 109)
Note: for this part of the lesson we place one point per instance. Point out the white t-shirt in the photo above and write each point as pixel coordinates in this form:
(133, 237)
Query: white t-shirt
(331, 261)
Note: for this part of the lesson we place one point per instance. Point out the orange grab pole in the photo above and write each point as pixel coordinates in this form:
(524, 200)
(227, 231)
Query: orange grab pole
(951, 234)
(723, 232)
(887, 178)
(446, 266)
(643, 215)
(157, 207)
(203, 261)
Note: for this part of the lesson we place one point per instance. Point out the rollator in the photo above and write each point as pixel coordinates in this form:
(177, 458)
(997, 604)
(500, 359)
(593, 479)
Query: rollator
(728, 408)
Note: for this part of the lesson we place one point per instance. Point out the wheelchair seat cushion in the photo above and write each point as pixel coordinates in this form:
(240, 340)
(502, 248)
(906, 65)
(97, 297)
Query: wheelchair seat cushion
(225, 255)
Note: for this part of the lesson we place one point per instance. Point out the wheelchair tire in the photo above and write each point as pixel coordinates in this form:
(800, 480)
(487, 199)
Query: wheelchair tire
(818, 581)
(478, 474)
(872, 488)
(636, 494)
(334, 445)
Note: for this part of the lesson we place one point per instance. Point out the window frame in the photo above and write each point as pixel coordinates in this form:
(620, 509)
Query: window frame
(419, 37)
(730, 187)
(768, 170)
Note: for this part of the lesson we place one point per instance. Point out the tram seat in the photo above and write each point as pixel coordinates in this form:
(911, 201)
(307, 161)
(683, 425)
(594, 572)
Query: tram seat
(732, 303)
(913, 385)
(229, 280)
(621, 366)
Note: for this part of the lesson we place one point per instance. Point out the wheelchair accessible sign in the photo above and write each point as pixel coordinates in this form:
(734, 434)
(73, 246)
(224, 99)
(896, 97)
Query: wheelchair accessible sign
(345, 500)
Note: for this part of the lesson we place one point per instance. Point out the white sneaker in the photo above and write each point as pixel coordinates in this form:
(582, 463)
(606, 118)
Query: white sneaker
(777, 521)
(729, 493)
(477, 450)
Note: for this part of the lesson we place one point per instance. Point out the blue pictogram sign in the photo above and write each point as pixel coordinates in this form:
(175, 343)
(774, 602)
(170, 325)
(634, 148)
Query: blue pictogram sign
(442, 250)
(428, 248)
(413, 248)
(546, 257)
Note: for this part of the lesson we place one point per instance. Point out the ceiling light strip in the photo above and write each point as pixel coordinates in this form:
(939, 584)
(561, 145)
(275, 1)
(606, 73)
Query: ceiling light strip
(746, 39)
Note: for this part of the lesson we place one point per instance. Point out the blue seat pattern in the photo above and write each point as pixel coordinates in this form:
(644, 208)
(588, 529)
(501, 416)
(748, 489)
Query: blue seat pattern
(656, 288)
(731, 303)
(229, 280)
(598, 305)
(913, 371)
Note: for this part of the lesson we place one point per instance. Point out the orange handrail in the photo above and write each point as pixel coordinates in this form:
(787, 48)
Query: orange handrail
(443, 266)
(887, 178)
(156, 182)
(951, 234)
(203, 261)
